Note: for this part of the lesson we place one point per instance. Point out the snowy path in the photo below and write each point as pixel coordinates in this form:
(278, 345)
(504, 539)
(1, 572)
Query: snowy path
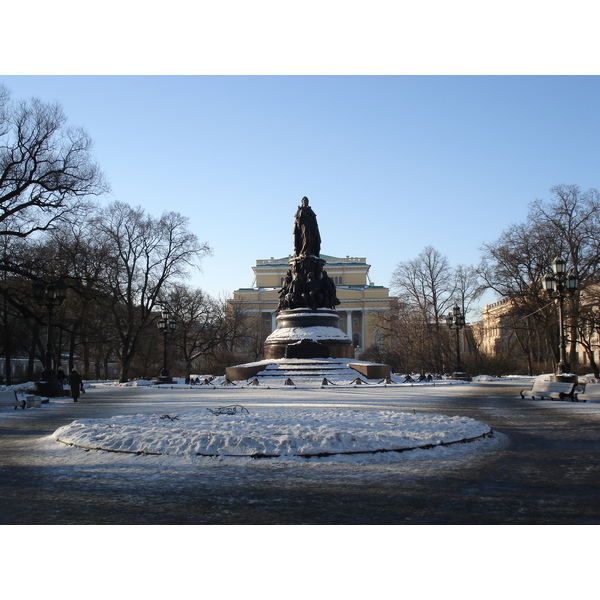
(541, 465)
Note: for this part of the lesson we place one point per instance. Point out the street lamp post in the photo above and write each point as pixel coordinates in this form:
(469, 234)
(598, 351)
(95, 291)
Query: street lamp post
(49, 295)
(165, 324)
(560, 284)
(456, 321)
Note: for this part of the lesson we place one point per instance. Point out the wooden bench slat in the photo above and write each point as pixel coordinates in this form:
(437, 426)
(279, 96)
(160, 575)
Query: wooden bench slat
(558, 390)
(591, 391)
(9, 398)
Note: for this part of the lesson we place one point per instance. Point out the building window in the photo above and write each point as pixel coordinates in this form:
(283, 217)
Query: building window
(356, 340)
(337, 280)
(267, 324)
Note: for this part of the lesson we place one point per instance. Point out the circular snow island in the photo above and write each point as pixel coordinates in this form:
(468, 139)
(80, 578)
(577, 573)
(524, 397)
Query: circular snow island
(299, 434)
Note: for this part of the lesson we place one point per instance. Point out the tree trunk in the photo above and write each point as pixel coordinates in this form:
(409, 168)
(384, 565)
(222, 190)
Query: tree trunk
(97, 365)
(105, 363)
(8, 368)
(593, 365)
(125, 368)
(72, 350)
(86, 361)
(31, 358)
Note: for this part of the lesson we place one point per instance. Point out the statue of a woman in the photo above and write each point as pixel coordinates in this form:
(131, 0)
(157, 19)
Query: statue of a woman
(307, 239)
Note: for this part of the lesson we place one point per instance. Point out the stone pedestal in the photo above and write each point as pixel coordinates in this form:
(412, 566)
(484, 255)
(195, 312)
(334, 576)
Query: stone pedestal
(305, 333)
(372, 370)
(565, 378)
(461, 376)
(50, 387)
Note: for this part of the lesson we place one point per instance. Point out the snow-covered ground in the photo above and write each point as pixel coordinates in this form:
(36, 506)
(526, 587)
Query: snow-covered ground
(341, 421)
(243, 420)
(151, 562)
(220, 423)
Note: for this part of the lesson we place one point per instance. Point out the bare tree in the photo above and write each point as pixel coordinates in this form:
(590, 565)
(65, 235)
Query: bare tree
(90, 330)
(425, 287)
(143, 256)
(572, 217)
(201, 323)
(425, 282)
(46, 168)
(515, 265)
(467, 287)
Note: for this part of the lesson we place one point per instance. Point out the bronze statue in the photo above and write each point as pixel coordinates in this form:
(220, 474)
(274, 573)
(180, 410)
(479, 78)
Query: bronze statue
(330, 298)
(306, 285)
(307, 239)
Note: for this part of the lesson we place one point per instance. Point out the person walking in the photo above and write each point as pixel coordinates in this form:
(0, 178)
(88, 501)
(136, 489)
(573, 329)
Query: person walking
(75, 382)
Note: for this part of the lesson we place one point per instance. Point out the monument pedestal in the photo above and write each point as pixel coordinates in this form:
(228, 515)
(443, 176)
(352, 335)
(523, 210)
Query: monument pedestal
(461, 375)
(305, 333)
(565, 378)
(50, 388)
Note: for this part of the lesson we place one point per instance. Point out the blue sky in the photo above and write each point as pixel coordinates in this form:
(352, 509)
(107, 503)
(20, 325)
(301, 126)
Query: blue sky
(390, 164)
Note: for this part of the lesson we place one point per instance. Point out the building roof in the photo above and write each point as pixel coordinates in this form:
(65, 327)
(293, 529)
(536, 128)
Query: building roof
(332, 260)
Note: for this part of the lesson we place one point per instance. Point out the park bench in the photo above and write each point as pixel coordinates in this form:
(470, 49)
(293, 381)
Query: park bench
(555, 390)
(9, 398)
(591, 391)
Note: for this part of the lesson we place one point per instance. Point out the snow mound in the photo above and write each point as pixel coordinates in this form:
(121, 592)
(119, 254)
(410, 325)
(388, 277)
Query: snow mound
(269, 432)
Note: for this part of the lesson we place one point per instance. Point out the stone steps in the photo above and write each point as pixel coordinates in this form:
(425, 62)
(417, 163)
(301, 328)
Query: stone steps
(308, 369)
(312, 370)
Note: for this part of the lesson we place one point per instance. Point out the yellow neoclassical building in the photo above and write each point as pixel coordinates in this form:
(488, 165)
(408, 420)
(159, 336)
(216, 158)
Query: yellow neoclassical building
(360, 301)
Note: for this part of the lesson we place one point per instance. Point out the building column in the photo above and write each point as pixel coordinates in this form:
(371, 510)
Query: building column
(273, 321)
(362, 330)
(349, 323)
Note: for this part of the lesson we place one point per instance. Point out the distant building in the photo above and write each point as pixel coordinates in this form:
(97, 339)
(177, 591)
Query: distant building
(495, 332)
(360, 301)
(504, 332)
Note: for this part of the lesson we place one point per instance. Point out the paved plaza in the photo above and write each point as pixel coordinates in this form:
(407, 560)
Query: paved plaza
(541, 467)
